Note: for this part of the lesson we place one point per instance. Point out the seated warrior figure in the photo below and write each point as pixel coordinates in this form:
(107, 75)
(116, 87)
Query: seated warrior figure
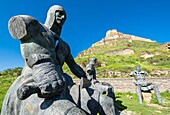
(143, 85)
(43, 75)
(55, 19)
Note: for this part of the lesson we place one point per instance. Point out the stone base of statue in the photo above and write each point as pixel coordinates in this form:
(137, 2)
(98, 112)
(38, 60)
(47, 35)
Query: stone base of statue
(147, 96)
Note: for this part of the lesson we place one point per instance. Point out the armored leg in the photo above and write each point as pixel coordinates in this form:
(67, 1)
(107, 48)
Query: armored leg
(139, 93)
(157, 94)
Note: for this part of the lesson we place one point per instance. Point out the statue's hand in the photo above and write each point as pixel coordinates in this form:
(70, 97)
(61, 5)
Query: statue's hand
(45, 75)
(50, 84)
(46, 85)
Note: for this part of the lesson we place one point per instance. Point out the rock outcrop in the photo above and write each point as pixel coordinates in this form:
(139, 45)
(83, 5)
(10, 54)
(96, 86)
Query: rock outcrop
(113, 35)
(110, 39)
(166, 46)
(121, 52)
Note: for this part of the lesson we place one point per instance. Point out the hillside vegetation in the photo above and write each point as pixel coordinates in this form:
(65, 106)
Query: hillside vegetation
(7, 77)
(119, 58)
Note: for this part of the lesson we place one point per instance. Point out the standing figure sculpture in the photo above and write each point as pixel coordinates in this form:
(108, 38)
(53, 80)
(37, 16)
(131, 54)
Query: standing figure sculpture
(43, 88)
(143, 85)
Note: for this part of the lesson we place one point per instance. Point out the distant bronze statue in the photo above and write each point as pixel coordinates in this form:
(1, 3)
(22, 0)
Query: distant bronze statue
(43, 88)
(143, 85)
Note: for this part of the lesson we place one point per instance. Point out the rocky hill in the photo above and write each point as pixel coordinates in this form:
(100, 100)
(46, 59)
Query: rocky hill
(113, 35)
(118, 53)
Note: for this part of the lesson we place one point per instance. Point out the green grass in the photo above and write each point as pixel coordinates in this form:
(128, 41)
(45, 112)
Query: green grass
(7, 77)
(123, 102)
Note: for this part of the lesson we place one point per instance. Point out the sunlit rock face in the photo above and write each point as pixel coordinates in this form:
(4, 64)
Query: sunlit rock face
(112, 35)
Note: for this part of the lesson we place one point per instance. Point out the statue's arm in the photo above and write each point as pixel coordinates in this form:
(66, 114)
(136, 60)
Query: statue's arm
(22, 27)
(132, 74)
(47, 80)
(77, 70)
(74, 67)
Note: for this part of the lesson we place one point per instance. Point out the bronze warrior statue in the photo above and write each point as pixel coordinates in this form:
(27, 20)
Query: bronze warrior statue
(43, 88)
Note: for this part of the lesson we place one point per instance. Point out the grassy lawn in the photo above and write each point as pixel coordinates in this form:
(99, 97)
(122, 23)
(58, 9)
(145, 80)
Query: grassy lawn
(7, 77)
(5, 84)
(129, 102)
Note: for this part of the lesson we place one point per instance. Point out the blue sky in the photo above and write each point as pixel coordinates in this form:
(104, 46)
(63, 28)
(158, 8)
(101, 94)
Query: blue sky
(87, 22)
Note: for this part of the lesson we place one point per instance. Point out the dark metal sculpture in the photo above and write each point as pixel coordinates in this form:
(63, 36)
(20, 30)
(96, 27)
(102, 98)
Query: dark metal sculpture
(143, 85)
(43, 88)
(102, 87)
